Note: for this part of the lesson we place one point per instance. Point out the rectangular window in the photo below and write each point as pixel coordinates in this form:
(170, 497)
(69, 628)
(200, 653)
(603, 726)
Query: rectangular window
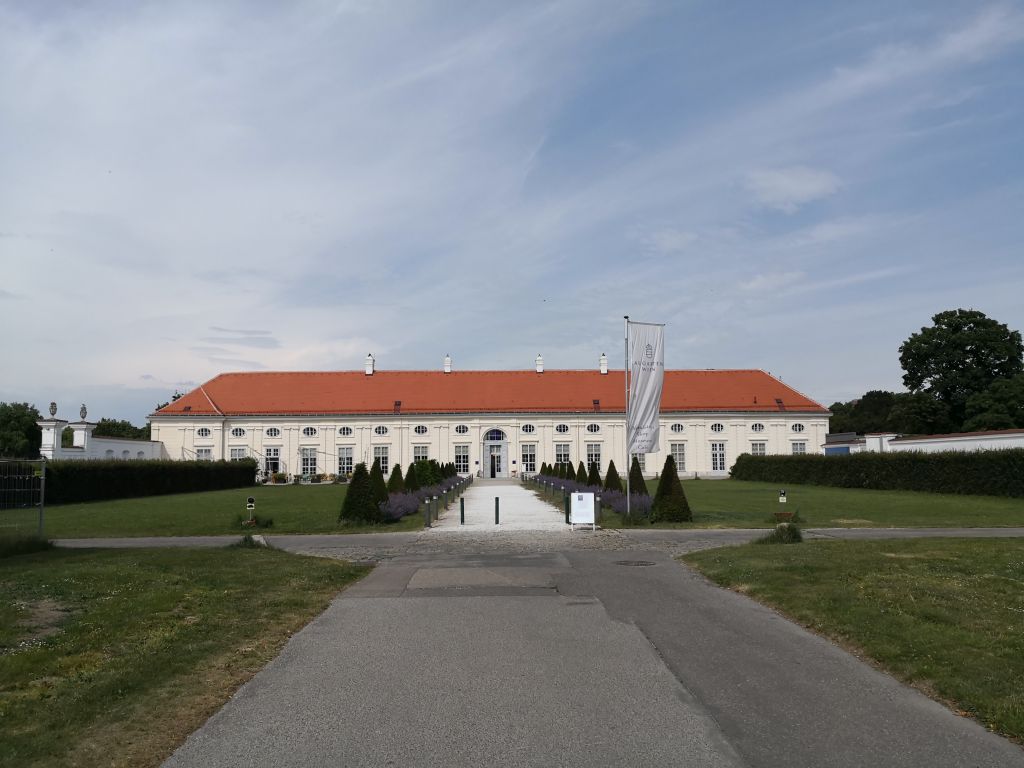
(799, 449)
(308, 456)
(562, 453)
(273, 460)
(529, 458)
(237, 454)
(420, 453)
(678, 455)
(757, 449)
(344, 459)
(462, 459)
(593, 455)
(204, 454)
(642, 460)
(380, 454)
(718, 457)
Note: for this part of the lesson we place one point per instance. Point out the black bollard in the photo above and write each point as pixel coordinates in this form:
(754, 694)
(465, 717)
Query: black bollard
(567, 496)
(496, 510)
(462, 511)
(426, 514)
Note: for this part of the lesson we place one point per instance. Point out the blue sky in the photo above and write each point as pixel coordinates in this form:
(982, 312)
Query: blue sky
(192, 188)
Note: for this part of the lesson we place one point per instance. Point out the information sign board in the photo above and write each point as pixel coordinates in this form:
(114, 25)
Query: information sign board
(581, 510)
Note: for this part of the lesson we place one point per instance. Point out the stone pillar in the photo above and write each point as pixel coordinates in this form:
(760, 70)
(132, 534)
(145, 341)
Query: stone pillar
(82, 434)
(52, 428)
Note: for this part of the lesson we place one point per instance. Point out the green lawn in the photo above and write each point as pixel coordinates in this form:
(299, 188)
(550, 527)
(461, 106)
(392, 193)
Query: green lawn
(741, 504)
(944, 614)
(114, 657)
(293, 508)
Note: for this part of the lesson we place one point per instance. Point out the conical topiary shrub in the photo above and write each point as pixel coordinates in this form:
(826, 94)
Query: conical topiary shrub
(612, 482)
(670, 505)
(377, 484)
(581, 474)
(412, 482)
(594, 476)
(637, 484)
(396, 483)
(359, 506)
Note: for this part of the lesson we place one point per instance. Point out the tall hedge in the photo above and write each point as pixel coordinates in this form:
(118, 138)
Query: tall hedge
(612, 482)
(670, 503)
(68, 482)
(992, 473)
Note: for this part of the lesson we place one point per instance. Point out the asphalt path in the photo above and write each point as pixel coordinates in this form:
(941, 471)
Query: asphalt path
(587, 657)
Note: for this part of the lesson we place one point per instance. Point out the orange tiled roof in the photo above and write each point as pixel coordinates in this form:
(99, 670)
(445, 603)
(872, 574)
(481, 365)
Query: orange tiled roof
(353, 392)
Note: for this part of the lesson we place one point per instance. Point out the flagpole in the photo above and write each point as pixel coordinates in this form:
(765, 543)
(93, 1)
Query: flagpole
(625, 382)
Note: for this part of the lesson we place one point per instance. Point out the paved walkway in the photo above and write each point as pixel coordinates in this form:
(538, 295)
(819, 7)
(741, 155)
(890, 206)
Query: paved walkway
(519, 509)
(580, 658)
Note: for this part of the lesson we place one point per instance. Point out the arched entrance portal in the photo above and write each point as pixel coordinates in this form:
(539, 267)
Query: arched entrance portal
(495, 454)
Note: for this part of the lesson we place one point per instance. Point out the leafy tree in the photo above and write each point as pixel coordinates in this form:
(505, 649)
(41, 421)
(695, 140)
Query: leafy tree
(594, 476)
(670, 503)
(960, 355)
(412, 481)
(377, 484)
(359, 505)
(637, 484)
(120, 428)
(581, 474)
(67, 437)
(396, 483)
(869, 413)
(1001, 406)
(917, 413)
(612, 481)
(543, 468)
(20, 438)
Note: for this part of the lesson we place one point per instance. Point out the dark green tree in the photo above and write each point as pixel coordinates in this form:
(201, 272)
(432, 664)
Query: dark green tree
(917, 413)
(412, 481)
(1001, 406)
(637, 484)
(581, 474)
(612, 482)
(594, 476)
(543, 469)
(377, 483)
(961, 354)
(120, 428)
(396, 483)
(670, 505)
(20, 438)
(868, 413)
(359, 505)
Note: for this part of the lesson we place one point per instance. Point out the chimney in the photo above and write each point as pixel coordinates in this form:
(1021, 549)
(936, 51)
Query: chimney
(540, 363)
(369, 365)
(447, 363)
(604, 364)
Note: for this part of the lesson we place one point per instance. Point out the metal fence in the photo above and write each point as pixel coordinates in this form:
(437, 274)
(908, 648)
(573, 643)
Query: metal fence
(22, 497)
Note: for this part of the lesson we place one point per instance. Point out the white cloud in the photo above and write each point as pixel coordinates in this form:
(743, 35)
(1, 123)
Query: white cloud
(787, 189)
(669, 241)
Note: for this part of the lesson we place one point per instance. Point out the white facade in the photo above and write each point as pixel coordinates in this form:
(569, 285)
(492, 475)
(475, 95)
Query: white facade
(704, 444)
(87, 447)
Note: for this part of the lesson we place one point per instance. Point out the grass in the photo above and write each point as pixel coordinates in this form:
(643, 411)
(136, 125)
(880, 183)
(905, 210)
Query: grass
(742, 504)
(946, 615)
(293, 508)
(111, 658)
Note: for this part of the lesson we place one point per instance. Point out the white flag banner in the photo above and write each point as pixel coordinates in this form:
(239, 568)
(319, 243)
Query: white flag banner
(647, 369)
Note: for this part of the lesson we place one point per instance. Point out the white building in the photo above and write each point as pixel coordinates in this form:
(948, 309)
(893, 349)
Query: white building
(495, 423)
(85, 446)
(889, 442)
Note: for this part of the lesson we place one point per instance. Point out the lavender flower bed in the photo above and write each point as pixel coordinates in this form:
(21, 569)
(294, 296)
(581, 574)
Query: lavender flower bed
(401, 505)
(639, 505)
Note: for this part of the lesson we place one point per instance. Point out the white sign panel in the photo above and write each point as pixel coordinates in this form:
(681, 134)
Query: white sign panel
(647, 372)
(581, 510)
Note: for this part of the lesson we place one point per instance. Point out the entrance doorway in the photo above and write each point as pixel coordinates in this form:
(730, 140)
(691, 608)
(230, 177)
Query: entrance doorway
(495, 454)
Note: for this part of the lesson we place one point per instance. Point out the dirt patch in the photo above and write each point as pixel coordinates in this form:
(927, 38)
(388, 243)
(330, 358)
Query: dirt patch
(42, 619)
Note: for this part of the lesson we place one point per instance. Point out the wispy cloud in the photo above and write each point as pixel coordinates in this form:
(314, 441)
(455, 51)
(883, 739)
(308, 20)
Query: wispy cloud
(786, 189)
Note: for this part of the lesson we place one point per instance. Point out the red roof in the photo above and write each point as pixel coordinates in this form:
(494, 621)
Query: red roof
(353, 392)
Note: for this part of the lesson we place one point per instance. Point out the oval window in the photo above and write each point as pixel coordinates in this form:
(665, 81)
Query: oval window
(273, 432)
(380, 430)
(757, 427)
(529, 429)
(593, 428)
(345, 431)
(798, 427)
(309, 431)
(677, 428)
(203, 432)
(717, 427)
(238, 432)
(420, 430)
(562, 429)
(461, 429)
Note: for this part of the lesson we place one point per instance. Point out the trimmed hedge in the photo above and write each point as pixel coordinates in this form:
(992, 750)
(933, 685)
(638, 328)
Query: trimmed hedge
(983, 473)
(74, 481)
